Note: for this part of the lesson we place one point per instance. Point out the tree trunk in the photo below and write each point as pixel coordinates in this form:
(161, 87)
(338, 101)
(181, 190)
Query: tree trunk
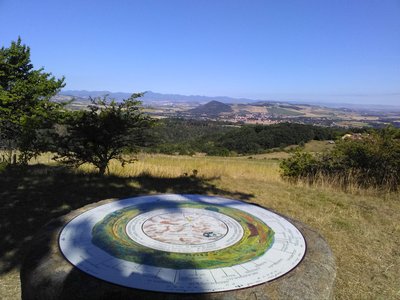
(102, 168)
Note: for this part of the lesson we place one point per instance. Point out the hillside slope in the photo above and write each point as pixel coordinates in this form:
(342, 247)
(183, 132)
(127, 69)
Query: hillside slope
(212, 108)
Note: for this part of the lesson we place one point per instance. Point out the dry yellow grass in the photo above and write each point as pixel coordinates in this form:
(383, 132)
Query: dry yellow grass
(362, 227)
(9, 285)
(214, 167)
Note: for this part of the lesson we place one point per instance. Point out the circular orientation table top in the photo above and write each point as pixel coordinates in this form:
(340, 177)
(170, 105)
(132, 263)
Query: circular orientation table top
(186, 246)
(182, 243)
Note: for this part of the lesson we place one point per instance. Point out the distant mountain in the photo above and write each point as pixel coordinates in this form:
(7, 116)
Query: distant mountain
(192, 98)
(151, 97)
(212, 108)
(87, 94)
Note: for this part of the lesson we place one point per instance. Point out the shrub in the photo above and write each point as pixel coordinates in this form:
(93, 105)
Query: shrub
(301, 165)
(371, 160)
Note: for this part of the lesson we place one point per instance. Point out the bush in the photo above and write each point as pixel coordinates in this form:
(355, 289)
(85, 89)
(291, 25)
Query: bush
(371, 160)
(301, 165)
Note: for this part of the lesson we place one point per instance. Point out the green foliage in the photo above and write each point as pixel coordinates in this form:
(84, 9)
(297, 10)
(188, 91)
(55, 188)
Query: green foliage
(252, 139)
(300, 165)
(102, 133)
(25, 107)
(180, 136)
(371, 160)
(221, 139)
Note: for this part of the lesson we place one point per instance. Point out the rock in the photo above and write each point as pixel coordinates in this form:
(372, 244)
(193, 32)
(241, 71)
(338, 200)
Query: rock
(46, 274)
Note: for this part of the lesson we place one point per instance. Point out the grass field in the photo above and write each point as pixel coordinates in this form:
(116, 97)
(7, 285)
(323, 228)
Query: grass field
(362, 227)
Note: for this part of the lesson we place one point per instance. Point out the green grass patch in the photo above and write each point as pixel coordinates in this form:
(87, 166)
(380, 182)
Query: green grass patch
(283, 111)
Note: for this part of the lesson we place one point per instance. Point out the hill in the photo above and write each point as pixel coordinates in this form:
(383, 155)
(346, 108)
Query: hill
(212, 108)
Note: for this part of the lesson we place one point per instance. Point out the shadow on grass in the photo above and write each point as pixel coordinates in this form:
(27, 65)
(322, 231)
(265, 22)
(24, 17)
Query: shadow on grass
(32, 196)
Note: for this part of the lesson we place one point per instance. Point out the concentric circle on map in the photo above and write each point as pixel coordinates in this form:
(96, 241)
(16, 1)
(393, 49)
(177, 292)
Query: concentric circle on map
(186, 226)
(182, 243)
(184, 230)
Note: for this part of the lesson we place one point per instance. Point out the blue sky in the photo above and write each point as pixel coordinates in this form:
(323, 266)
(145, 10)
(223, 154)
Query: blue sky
(332, 51)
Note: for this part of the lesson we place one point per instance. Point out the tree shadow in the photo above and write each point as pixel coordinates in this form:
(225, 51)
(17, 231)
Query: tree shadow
(160, 275)
(31, 196)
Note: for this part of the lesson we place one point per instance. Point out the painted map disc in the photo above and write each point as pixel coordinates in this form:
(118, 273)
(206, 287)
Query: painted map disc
(182, 243)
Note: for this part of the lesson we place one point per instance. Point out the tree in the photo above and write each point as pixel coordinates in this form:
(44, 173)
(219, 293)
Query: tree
(103, 132)
(25, 106)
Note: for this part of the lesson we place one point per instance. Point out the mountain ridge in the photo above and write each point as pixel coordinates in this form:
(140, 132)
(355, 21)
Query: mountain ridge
(150, 96)
(159, 98)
